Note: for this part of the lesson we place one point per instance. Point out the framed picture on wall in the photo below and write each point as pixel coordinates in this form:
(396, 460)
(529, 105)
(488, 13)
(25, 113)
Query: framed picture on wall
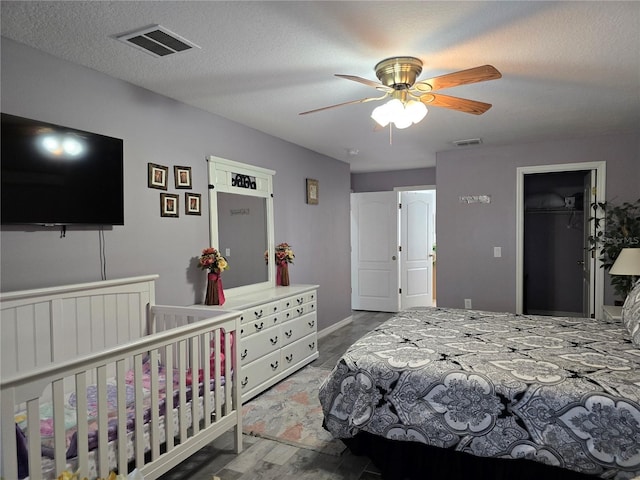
(312, 191)
(169, 203)
(182, 176)
(192, 203)
(158, 175)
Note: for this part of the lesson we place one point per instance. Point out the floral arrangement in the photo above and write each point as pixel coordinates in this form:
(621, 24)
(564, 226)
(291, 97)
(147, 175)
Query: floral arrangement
(212, 260)
(284, 253)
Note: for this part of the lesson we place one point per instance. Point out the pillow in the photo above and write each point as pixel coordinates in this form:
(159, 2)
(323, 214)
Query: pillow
(631, 314)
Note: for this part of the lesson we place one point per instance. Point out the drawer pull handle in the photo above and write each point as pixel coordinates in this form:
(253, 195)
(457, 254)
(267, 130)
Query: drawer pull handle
(243, 355)
(289, 358)
(275, 319)
(312, 345)
(312, 296)
(274, 366)
(288, 334)
(300, 300)
(300, 310)
(244, 382)
(288, 314)
(259, 327)
(258, 314)
(311, 323)
(275, 308)
(288, 304)
(241, 331)
(274, 340)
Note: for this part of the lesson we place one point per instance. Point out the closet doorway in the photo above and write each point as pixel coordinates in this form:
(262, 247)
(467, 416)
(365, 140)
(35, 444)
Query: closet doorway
(556, 273)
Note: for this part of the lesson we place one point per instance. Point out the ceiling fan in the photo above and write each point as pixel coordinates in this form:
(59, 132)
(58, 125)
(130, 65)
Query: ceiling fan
(409, 98)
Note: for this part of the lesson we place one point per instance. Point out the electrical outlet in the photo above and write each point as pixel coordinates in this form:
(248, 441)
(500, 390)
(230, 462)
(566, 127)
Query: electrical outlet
(227, 252)
(467, 303)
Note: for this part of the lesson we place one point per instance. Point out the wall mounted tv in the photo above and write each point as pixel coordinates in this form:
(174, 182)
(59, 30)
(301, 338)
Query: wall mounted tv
(55, 175)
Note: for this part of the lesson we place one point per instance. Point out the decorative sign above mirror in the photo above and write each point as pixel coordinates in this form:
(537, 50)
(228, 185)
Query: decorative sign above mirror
(242, 237)
(243, 181)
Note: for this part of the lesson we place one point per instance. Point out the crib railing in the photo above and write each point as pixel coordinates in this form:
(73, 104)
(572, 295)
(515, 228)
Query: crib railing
(193, 350)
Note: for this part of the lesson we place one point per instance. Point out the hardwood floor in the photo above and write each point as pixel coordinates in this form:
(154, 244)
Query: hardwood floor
(264, 459)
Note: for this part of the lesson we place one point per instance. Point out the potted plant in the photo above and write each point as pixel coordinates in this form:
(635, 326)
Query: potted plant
(619, 228)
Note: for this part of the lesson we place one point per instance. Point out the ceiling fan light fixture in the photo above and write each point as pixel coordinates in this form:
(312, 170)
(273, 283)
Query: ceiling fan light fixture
(402, 122)
(416, 110)
(402, 115)
(381, 115)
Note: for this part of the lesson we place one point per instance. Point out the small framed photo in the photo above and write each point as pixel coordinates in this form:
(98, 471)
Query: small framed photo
(169, 203)
(312, 191)
(158, 175)
(183, 176)
(192, 203)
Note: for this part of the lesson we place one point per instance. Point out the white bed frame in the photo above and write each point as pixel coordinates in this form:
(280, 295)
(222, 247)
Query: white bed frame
(58, 340)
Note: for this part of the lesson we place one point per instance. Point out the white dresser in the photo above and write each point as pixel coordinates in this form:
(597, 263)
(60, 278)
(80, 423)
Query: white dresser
(279, 334)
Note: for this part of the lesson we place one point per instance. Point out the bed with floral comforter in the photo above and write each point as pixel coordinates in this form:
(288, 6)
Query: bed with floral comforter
(558, 390)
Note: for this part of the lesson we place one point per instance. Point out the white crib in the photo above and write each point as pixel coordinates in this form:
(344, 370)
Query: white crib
(169, 369)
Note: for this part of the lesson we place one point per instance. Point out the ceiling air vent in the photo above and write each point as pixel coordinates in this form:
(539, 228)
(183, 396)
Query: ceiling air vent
(466, 143)
(157, 41)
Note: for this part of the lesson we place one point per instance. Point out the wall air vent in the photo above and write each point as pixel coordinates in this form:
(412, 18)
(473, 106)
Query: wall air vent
(466, 143)
(157, 41)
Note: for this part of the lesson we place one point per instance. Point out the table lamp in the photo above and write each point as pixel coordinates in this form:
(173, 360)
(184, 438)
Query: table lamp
(627, 263)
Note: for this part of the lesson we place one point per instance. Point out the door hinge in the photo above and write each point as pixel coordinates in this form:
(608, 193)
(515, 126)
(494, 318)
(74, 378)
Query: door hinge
(400, 206)
(399, 248)
(400, 290)
(594, 190)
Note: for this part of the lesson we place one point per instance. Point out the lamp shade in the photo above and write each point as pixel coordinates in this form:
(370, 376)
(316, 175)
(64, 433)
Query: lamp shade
(627, 262)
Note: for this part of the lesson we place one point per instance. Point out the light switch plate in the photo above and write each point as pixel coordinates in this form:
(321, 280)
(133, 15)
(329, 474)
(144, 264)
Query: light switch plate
(497, 251)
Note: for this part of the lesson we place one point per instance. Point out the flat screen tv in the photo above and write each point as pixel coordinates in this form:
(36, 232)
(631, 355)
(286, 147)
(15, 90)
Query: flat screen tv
(55, 175)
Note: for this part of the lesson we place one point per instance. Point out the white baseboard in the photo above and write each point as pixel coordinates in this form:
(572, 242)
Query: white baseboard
(332, 328)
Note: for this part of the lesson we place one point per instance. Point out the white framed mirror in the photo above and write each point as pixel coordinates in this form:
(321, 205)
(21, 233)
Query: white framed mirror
(241, 223)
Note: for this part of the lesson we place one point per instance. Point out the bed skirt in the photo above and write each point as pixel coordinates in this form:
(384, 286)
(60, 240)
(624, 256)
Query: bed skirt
(417, 461)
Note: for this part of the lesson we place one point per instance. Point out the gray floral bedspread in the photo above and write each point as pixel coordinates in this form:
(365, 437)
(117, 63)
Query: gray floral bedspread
(559, 390)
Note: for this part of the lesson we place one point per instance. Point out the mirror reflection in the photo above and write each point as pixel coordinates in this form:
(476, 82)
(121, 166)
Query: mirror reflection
(242, 237)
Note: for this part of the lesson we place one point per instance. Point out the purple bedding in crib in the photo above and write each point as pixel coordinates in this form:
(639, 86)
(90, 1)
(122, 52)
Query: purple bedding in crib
(46, 421)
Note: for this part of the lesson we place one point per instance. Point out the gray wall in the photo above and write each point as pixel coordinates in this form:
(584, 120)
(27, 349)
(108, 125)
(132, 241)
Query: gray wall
(160, 130)
(387, 181)
(467, 233)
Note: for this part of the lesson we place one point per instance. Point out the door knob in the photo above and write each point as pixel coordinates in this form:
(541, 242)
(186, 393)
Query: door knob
(393, 258)
(580, 262)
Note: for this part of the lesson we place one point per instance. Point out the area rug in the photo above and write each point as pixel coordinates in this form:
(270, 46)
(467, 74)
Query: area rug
(290, 412)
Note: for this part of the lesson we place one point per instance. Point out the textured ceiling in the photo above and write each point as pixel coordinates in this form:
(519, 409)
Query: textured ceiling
(569, 68)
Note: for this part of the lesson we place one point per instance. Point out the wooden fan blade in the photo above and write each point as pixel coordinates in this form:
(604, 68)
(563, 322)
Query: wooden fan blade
(369, 83)
(362, 100)
(455, 103)
(463, 77)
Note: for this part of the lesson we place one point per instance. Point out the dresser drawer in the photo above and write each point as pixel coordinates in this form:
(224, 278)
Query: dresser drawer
(257, 325)
(259, 371)
(299, 350)
(300, 327)
(260, 344)
(303, 310)
(260, 311)
(310, 297)
(287, 303)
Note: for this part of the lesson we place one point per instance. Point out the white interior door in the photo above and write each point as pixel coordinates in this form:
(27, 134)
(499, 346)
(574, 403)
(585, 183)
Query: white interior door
(374, 251)
(416, 241)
